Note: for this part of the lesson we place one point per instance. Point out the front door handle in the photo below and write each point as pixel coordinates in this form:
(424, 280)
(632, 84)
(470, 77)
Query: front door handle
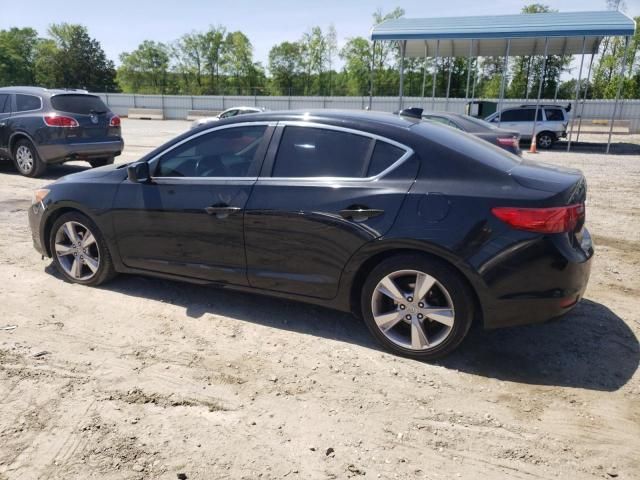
(360, 214)
(222, 211)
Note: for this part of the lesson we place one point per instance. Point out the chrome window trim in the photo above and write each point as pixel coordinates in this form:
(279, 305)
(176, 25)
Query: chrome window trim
(152, 163)
(33, 109)
(330, 180)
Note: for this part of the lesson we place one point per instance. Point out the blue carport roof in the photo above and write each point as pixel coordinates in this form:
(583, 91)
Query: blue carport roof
(490, 33)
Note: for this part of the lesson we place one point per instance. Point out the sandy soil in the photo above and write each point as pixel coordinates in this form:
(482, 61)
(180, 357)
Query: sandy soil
(150, 379)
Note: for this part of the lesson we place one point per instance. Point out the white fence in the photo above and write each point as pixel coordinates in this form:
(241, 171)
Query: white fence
(177, 106)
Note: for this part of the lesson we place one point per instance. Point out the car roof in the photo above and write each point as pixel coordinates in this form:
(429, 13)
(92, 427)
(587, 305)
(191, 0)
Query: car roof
(43, 91)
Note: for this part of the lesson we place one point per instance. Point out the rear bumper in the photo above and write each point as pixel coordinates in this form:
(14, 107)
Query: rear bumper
(541, 281)
(59, 152)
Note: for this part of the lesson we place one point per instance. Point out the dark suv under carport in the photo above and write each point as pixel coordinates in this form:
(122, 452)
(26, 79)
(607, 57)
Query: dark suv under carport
(39, 127)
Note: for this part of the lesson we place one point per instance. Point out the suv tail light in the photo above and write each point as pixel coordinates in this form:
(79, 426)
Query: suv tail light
(115, 121)
(543, 220)
(55, 120)
(509, 142)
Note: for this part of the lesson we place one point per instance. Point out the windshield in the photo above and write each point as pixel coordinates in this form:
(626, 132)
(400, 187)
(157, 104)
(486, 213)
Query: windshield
(479, 122)
(80, 104)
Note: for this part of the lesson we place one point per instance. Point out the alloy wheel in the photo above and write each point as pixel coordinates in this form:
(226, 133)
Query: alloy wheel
(413, 310)
(24, 158)
(545, 141)
(77, 251)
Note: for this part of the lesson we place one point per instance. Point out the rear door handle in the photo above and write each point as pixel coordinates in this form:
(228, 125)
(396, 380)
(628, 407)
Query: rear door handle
(360, 214)
(222, 211)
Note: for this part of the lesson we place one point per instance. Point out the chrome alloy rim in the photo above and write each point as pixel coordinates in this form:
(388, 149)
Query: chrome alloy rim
(545, 141)
(24, 158)
(413, 309)
(77, 251)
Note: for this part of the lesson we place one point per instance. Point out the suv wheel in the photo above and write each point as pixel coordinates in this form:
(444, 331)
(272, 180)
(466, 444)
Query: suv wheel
(79, 250)
(101, 162)
(417, 306)
(27, 160)
(545, 140)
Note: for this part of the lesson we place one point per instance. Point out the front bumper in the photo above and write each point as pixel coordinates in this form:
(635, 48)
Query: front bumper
(59, 152)
(541, 281)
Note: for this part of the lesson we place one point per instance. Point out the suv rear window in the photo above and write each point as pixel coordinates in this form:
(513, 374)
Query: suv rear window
(27, 102)
(80, 104)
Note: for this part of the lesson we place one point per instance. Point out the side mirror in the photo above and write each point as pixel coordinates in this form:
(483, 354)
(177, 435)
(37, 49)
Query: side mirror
(139, 172)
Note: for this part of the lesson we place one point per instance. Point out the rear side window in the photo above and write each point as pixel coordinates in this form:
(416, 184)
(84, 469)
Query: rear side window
(554, 114)
(384, 155)
(5, 103)
(27, 102)
(318, 152)
(79, 104)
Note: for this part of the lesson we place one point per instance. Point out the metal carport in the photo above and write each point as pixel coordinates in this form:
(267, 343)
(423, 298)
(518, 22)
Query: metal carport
(557, 33)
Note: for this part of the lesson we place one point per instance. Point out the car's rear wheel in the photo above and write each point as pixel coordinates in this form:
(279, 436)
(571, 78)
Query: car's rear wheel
(417, 306)
(27, 160)
(101, 162)
(79, 250)
(545, 140)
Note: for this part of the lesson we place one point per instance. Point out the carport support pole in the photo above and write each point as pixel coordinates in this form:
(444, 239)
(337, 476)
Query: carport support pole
(504, 78)
(584, 96)
(575, 110)
(620, 82)
(544, 68)
(424, 70)
(466, 92)
(403, 47)
(373, 65)
(446, 105)
(435, 71)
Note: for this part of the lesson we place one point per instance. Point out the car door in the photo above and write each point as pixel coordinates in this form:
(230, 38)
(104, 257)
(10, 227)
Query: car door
(324, 192)
(188, 220)
(5, 113)
(520, 120)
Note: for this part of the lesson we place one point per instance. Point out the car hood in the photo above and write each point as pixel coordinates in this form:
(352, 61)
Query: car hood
(118, 170)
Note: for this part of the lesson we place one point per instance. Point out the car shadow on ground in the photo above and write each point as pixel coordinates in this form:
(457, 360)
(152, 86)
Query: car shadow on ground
(591, 347)
(53, 172)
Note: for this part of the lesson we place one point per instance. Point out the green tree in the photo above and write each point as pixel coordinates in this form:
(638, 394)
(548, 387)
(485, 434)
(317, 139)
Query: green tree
(79, 59)
(285, 66)
(17, 56)
(145, 70)
(356, 55)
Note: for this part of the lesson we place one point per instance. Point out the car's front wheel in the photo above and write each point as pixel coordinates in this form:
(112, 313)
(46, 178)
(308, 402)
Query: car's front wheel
(27, 160)
(79, 250)
(101, 162)
(417, 306)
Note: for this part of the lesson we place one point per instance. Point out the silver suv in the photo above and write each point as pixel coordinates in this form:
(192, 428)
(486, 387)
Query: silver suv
(550, 126)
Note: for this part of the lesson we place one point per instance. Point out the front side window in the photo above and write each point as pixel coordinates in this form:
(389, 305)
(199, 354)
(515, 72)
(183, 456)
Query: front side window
(521, 115)
(27, 102)
(5, 103)
(230, 113)
(228, 152)
(318, 152)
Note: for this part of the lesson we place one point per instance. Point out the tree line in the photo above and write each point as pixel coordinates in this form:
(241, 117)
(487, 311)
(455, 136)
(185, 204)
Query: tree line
(221, 62)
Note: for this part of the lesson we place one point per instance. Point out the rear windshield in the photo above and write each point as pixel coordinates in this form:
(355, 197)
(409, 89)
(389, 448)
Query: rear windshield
(80, 104)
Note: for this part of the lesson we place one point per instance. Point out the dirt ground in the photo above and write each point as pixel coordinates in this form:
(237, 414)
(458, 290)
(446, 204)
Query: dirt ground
(146, 379)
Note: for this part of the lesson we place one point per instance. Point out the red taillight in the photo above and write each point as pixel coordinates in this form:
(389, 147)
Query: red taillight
(115, 121)
(509, 141)
(542, 220)
(54, 120)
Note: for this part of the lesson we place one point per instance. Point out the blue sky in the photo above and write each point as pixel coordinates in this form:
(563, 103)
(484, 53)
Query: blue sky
(121, 25)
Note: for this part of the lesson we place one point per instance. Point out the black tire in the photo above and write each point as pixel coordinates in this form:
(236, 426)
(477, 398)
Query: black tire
(101, 162)
(105, 270)
(459, 292)
(545, 140)
(32, 165)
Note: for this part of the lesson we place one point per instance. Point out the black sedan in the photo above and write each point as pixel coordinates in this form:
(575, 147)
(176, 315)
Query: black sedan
(509, 140)
(418, 228)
